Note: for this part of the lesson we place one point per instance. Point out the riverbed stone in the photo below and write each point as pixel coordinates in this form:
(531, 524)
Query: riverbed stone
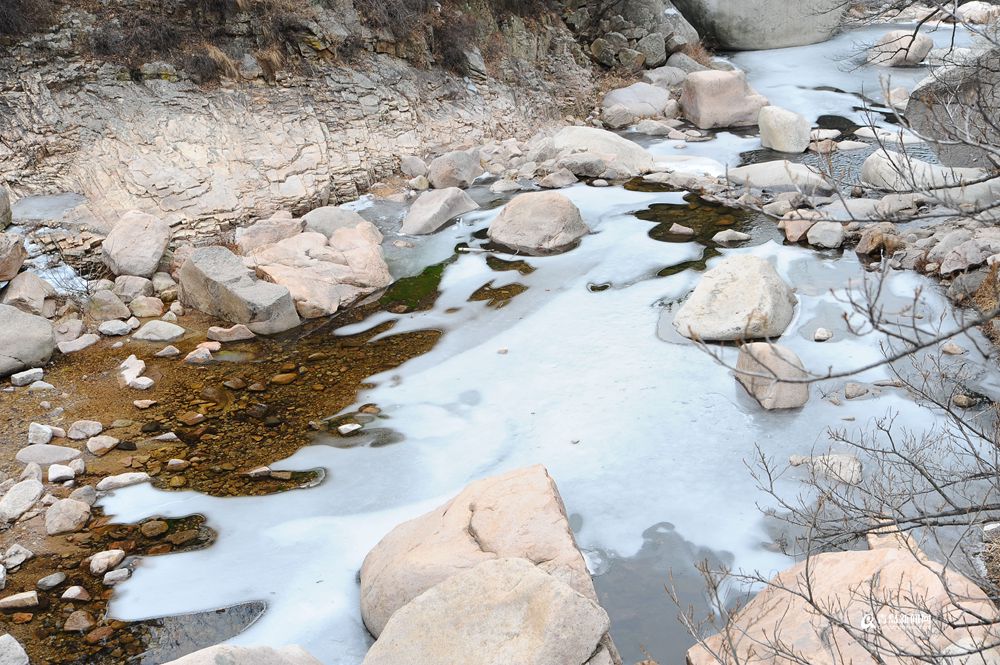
(433, 209)
(783, 130)
(770, 372)
(781, 176)
(66, 516)
(101, 444)
(714, 99)
(215, 281)
(236, 333)
(538, 223)
(39, 433)
(129, 287)
(114, 328)
(84, 429)
(30, 293)
(664, 77)
(19, 499)
(102, 562)
(900, 48)
(79, 344)
(266, 232)
(59, 473)
(159, 331)
(519, 513)
(122, 480)
(135, 244)
(742, 298)
(627, 157)
(501, 611)
(46, 454)
(641, 100)
(847, 585)
(145, 307)
(19, 601)
(12, 255)
(458, 168)
(829, 235)
(228, 654)
(11, 651)
(26, 340)
(105, 306)
(328, 219)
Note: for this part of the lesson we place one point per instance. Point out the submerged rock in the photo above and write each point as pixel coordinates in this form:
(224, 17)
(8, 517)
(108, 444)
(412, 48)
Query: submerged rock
(742, 298)
(538, 223)
(433, 209)
(501, 611)
(770, 373)
(215, 281)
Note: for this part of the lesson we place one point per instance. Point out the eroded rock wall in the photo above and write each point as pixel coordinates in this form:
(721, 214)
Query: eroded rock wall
(206, 157)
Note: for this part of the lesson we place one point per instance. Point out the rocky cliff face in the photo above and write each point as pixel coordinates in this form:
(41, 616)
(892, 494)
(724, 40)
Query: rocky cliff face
(321, 131)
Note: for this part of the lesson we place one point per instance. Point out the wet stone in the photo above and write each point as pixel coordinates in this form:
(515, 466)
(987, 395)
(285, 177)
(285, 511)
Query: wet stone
(284, 379)
(50, 582)
(191, 418)
(154, 528)
(79, 621)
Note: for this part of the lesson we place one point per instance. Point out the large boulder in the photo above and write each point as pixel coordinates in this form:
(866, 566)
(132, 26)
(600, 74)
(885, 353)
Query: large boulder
(517, 514)
(714, 99)
(135, 244)
(538, 223)
(783, 130)
(227, 654)
(499, 612)
(952, 186)
(900, 48)
(12, 256)
(433, 209)
(753, 25)
(641, 100)
(215, 281)
(627, 157)
(890, 595)
(742, 298)
(26, 340)
(321, 273)
(773, 375)
(458, 168)
(950, 109)
(781, 176)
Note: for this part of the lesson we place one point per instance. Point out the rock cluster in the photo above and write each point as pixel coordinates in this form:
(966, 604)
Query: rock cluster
(455, 585)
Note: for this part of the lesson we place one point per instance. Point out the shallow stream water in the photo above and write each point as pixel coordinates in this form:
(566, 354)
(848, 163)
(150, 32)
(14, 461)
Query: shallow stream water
(645, 435)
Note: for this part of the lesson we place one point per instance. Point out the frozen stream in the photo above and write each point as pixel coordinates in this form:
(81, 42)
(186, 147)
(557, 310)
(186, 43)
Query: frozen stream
(644, 434)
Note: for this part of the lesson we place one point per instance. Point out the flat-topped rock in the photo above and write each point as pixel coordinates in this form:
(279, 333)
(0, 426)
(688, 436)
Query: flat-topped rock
(215, 281)
(44, 454)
